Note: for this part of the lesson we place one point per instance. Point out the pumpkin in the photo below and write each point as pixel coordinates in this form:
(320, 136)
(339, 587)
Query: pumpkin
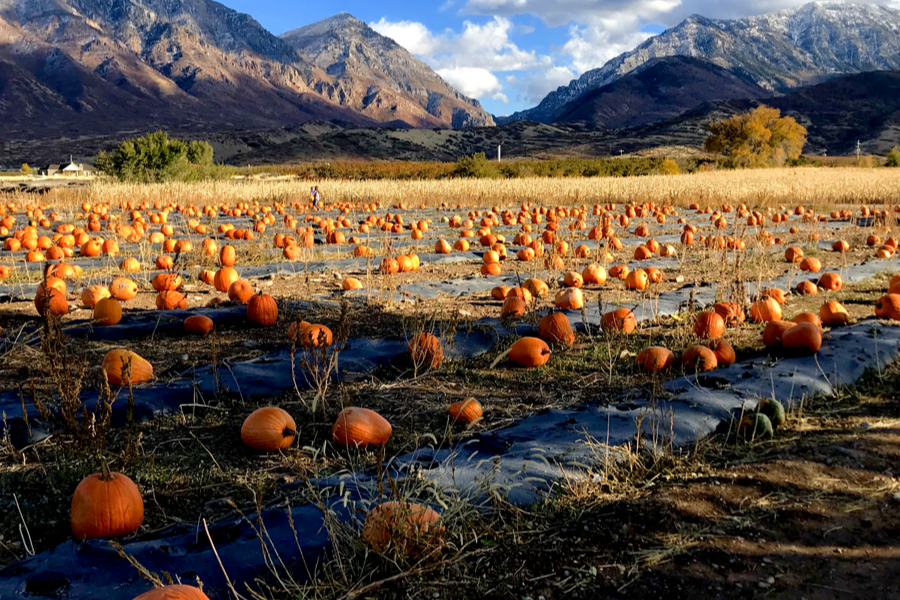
(123, 288)
(113, 367)
(166, 281)
(106, 504)
(468, 411)
(500, 292)
(808, 317)
(655, 358)
(731, 312)
(536, 287)
(709, 325)
(199, 324)
(811, 264)
(619, 271)
(224, 277)
(425, 348)
(699, 358)
(174, 592)
(406, 528)
(831, 282)
(312, 336)
(171, 300)
(803, 335)
(642, 253)
(529, 352)
(240, 291)
(262, 310)
(794, 254)
(108, 311)
(90, 296)
(774, 410)
(130, 265)
(888, 307)
(840, 246)
(833, 313)
(775, 294)
(621, 319)
(755, 426)
(207, 276)
(492, 269)
(594, 274)
(724, 352)
(351, 283)
(521, 292)
(774, 332)
(806, 288)
(555, 329)
(52, 302)
(513, 306)
(655, 275)
(359, 427)
(637, 280)
(227, 256)
(573, 279)
(569, 298)
(765, 310)
(268, 429)
(389, 266)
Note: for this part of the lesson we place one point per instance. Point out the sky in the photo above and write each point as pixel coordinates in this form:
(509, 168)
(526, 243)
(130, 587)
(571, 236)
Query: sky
(509, 53)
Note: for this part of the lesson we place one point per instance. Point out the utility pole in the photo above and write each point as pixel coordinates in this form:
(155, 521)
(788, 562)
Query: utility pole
(857, 152)
(498, 152)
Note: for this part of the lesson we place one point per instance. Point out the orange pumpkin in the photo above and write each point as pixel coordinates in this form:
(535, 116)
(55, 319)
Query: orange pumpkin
(224, 277)
(794, 254)
(52, 302)
(709, 325)
(840, 246)
(262, 310)
(468, 411)
(500, 292)
(569, 298)
(731, 312)
(123, 288)
(200, 324)
(833, 313)
(573, 279)
(774, 332)
(655, 358)
(166, 281)
(699, 358)
(351, 283)
(425, 348)
(556, 329)
(90, 296)
(811, 264)
(831, 282)
(108, 311)
(621, 319)
(776, 294)
(513, 307)
(888, 307)
(808, 317)
(114, 368)
(269, 429)
(806, 288)
(536, 287)
(227, 256)
(174, 592)
(106, 504)
(529, 352)
(594, 274)
(171, 300)
(407, 528)
(240, 291)
(803, 335)
(637, 280)
(724, 352)
(765, 310)
(359, 427)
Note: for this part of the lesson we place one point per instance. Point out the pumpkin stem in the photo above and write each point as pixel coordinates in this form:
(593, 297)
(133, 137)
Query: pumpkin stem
(500, 358)
(288, 432)
(104, 471)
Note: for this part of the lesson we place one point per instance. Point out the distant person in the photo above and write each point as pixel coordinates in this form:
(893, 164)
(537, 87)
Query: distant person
(316, 197)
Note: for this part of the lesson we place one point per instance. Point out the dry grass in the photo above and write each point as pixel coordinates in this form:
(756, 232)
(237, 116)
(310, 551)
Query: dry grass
(758, 188)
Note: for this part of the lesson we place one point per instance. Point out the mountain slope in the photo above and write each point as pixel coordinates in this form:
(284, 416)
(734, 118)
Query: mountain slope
(778, 51)
(77, 67)
(658, 90)
(354, 54)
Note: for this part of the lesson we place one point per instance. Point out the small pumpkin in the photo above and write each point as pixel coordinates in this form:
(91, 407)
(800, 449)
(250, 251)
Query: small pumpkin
(637, 280)
(556, 329)
(90, 296)
(699, 358)
(166, 281)
(888, 307)
(831, 282)
(594, 275)
(840, 246)
(513, 307)
(123, 288)
(811, 264)
(621, 319)
(227, 256)
(199, 324)
(113, 366)
(224, 277)
(833, 313)
(529, 352)
(731, 312)
(774, 331)
(105, 505)
(709, 325)
(358, 427)
(765, 310)
(755, 426)
(808, 317)
(536, 287)
(724, 352)
(171, 300)
(500, 292)
(774, 410)
(262, 310)
(174, 592)
(467, 411)
(351, 283)
(569, 298)
(803, 336)
(241, 291)
(269, 429)
(52, 302)
(426, 349)
(775, 294)
(312, 335)
(806, 288)
(794, 254)
(108, 312)
(406, 528)
(655, 358)
(573, 279)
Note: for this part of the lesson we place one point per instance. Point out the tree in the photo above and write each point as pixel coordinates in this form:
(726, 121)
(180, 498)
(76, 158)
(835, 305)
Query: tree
(156, 157)
(476, 165)
(893, 157)
(669, 167)
(26, 169)
(759, 137)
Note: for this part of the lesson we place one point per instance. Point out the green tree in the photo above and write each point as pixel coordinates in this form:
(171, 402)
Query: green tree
(758, 137)
(26, 169)
(669, 167)
(156, 157)
(476, 165)
(893, 157)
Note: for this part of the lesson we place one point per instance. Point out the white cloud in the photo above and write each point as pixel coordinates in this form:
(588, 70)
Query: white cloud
(475, 82)
(413, 36)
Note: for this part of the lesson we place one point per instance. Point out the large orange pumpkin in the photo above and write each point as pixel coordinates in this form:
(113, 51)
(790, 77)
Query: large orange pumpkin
(106, 505)
(699, 358)
(52, 302)
(425, 349)
(123, 288)
(803, 335)
(227, 256)
(833, 313)
(407, 528)
(174, 592)
(240, 291)
(655, 358)
(765, 310)
(467, 411)
(224, 277)
(555, 329)
(108, 311)
(166, 281)
(90, 296)
(731, 312)
(831, 281)
(113, 366)
(621, 319)
(529, 352)
(268, 429)
(569, 298)
(724, 352)
(637, 280)
(888, 307)
(709, 325)
(359, 427)
(200, 324)
(262, 310)
(774, 331)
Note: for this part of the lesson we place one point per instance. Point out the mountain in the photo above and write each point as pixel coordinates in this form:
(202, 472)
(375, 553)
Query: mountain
(383, 72)
(86, 67)
(658, 90)
(778, 51)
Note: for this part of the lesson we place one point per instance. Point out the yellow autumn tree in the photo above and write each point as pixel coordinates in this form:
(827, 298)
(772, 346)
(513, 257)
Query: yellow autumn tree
(759, 137)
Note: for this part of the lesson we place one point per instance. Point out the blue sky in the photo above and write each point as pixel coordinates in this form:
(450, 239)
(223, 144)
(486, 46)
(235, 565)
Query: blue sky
(508, 53)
